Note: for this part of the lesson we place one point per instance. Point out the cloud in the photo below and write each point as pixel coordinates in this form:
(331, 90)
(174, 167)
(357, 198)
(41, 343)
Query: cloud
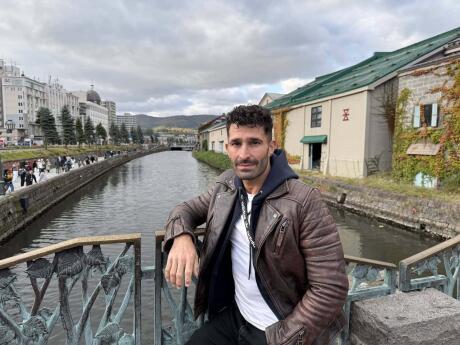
(191, 57)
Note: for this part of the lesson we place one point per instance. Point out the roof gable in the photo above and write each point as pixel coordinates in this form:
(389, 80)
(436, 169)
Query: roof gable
(364, 73)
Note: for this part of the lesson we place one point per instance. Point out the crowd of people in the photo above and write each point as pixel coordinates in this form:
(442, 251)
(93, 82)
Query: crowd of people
(28, 172)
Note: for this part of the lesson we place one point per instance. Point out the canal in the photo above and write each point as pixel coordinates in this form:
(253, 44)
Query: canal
(138, 196)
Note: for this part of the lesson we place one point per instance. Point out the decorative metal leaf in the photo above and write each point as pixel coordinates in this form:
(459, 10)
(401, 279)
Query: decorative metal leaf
(372, 274)
(6, 278)
(109, 333)
(95, 257)
(432, 264)
(360, 271)
(7, 335)
(125, 265)
(40, 268)
(45, 313)
(109, 281)
(34, 328)
(70, 262)
(126, 339)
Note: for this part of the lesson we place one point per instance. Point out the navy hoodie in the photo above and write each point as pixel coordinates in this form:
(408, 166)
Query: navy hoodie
(222, 288)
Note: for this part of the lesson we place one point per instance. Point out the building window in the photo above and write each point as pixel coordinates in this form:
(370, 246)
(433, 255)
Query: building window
(426, 113)
(20, 111)
(316, 117)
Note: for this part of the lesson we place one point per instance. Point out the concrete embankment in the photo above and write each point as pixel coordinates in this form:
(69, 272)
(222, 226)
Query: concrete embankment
(436, 218)
(22, 206)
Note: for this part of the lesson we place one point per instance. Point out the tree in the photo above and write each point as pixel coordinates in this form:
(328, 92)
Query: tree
(101, 132)
(68, 127)
(89, 131)
(133, 134)
(48, 126)
(124, 135)
(140, 135)
(114, 133)
(79, 131)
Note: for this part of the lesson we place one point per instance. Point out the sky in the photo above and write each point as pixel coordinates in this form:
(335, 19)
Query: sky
(165, 58)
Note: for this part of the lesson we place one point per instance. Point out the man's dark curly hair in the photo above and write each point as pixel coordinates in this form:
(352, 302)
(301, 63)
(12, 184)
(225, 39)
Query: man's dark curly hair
(251, 116)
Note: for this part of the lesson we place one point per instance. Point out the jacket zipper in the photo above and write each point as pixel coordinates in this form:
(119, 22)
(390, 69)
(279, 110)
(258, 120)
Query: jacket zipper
(281, 236)
(300, 339)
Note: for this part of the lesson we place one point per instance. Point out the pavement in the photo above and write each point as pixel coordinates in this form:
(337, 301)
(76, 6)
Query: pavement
(48, 175)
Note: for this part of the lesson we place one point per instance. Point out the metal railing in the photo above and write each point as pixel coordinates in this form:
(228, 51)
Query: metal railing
(68, 261)
(445, 257)
(72, 264)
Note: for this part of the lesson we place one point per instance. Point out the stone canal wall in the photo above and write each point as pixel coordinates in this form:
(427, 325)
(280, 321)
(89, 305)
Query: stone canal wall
(438, 219)
(22, 206)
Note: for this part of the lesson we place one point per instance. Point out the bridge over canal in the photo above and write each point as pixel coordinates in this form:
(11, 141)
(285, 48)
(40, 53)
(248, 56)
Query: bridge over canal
(107, 282)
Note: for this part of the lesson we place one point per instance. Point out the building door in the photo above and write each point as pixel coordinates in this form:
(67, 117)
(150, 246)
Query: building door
(315, 156)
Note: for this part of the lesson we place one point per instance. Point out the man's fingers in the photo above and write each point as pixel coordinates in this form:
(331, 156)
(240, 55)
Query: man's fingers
(172, 275)
(188, 272)
(196, 267)
(168, 268)
(179, 273)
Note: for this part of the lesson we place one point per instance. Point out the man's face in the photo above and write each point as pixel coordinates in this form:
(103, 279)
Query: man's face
(249, 149)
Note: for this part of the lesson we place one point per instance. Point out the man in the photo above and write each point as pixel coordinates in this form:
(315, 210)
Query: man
(271, 268)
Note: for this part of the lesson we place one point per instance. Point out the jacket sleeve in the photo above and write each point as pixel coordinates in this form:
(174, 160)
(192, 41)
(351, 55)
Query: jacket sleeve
(327, 280)
(185, 217)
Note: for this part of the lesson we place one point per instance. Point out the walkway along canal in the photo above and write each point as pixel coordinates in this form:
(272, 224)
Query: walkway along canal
(137, 197)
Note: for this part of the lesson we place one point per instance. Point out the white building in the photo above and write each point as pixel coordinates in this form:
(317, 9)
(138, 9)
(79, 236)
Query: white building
(58, 97)
(112, 108)
(20, 99)
(128, 119)
(91, 106)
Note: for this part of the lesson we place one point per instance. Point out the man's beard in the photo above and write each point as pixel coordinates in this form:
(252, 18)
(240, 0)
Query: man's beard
(259, 168)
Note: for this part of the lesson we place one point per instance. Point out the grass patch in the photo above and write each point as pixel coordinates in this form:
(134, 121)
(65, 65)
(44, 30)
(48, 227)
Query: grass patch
(13, 155)
(216, 160)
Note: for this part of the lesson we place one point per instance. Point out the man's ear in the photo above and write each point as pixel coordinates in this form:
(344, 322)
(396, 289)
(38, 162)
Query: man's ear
(272, 147)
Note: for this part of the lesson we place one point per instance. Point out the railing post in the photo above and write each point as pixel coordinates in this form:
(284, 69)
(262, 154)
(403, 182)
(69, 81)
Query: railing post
(137, 292)
(157, 334)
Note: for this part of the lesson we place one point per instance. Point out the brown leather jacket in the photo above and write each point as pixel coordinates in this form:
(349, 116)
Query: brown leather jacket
(299, 256)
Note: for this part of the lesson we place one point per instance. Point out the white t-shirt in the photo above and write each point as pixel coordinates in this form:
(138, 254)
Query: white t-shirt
(247, 294)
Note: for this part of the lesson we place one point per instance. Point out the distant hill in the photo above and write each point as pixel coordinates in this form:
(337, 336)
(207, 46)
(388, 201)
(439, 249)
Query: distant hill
(178, 121)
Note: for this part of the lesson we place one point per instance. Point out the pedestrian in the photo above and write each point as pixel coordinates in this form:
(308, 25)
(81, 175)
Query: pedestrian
(15, 173)
(57, 164)
(48, 165)
(92, 159)
(8, 180)
(87, 161)
(272, 269)
(30, 174)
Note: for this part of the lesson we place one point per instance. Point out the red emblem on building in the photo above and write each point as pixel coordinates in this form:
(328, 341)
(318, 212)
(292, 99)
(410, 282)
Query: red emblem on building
(346, 114)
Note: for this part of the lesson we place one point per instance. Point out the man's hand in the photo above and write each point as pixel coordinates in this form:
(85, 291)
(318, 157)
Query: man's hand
(182, 258)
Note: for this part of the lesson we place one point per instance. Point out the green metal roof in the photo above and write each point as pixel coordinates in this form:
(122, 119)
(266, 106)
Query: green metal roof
(363, 73)
(314, 139)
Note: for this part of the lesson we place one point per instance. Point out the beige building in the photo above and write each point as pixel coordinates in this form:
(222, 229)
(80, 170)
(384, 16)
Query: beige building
(217, 135)
(91, 106)
(128, 119)
(337, 124)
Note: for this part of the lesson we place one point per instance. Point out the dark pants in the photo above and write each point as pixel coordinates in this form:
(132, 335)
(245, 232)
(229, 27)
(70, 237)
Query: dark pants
(228, 328)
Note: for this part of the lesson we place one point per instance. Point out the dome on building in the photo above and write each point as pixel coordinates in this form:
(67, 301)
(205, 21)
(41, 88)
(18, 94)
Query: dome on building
(93, 96)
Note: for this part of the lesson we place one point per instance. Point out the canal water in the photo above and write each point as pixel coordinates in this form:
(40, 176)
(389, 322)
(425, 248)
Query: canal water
(138, 196)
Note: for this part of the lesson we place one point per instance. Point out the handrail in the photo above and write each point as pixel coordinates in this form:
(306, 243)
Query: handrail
(376, 263)
(61, 246)
(445, 255)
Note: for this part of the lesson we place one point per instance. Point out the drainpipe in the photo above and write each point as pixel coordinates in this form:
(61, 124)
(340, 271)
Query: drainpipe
(2, 191)
(302, 161)
(329, 139)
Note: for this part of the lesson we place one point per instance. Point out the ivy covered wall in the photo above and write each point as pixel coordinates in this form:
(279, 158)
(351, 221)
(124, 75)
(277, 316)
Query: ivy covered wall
(446, 163)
